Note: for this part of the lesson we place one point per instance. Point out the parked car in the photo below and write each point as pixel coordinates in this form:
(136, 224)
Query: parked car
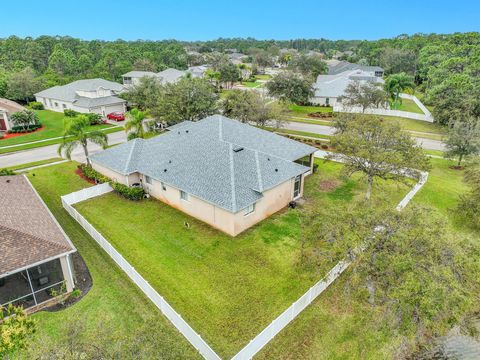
(117, 116)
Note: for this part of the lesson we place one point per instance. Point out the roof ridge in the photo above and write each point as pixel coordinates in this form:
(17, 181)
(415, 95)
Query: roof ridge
(259, 172)
(232, 177)
(127, 163)
(34, 237)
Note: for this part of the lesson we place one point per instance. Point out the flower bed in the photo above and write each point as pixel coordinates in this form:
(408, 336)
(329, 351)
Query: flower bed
(9, 135)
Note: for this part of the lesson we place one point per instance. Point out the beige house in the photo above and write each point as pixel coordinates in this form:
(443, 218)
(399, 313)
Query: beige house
(7, 108)
(225, 173)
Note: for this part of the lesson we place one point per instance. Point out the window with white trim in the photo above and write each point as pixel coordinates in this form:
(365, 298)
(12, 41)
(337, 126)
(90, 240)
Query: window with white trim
(184, 195)
(164, 188)
(248, 210)
(148, 180)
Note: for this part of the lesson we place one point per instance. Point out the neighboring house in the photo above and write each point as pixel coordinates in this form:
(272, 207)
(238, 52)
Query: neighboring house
(35, 252)
(85, 96)
(218, 170)
(336, 67)
(167, 76)
(328, 88)
(7, 108)
(237, 58)
(198, 71)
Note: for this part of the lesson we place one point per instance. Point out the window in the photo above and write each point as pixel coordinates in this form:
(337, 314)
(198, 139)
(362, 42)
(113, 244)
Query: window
(184, 195)
(327, 101)
(56, 104)
(64, 106)
(164, 188)
(250, 209)
(148, 180)
(297, 186)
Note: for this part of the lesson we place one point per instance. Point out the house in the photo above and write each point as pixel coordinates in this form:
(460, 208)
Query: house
(7, 108)
(35, 251)
(237, 58)
(218, 170)
(336, 67)
(328, 88)
(167, 76)
(85, 96)
(198, 71)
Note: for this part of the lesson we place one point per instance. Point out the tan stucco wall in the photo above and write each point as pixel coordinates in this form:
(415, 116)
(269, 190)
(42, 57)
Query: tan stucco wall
(233, 224)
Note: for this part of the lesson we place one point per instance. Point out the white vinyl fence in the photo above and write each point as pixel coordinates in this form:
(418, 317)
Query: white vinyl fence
(175, 318)
(193, 337)
(426, 116)
(298, 306)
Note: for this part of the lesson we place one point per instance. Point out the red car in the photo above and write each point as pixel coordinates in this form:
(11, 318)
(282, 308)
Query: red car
(117, 116)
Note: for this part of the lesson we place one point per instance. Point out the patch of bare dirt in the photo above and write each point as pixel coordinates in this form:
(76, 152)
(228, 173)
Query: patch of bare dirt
(329, 185)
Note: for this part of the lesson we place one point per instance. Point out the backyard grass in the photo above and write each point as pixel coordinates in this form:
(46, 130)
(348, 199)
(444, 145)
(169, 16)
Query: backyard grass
(408, 105)
(113, 301)
(263, 77)
(337, 327)
(227, 288)
(305, 110)
(252, 84)
(301, 133)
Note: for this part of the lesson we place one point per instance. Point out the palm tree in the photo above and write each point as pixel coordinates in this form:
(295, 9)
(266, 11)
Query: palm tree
(77, 134)
(134, 125)
(396, 83)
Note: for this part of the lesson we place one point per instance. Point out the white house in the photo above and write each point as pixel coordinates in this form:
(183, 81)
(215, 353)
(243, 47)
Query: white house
(166, 76)
(85, 96)
(328, 88)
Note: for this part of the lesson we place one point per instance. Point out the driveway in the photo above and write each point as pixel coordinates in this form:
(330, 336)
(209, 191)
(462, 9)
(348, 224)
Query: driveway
(48, 152)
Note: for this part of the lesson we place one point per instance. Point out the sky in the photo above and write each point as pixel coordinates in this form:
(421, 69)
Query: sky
(211, 19)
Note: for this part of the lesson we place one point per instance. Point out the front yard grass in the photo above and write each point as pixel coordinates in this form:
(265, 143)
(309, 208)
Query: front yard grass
(305, 110)
(114, 302)
(228, 289)
(408, 105)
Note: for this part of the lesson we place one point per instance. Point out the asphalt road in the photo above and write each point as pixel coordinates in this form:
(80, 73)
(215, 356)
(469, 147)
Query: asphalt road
(50, 151)
(327, 130)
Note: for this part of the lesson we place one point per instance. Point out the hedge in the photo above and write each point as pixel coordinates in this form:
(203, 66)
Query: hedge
(22, 129)
(131, 193)
(36, 105)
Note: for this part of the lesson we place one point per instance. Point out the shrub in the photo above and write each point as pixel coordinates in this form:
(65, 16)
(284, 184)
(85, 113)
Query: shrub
(6, 172)
(70, 113)
(131, 193)
(36, 105)
(21, 129)
(95, 119)
(92, 174)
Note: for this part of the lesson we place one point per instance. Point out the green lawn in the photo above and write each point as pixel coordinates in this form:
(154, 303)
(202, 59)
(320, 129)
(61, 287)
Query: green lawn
(334, 326)
(113, 302)
(263, 77)
(408, 105)
(34, 163)
(251, 84)
(305, 110)
(54, 123)
(228, 289)
(302, 133)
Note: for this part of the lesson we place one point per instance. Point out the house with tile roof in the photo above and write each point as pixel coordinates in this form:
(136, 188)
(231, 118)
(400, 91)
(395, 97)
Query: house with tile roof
(7, 108)
(35, 252)
(228, 174)
(85, 96)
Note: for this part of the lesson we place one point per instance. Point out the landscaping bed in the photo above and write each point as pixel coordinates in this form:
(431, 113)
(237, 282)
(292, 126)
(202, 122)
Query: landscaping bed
(228, 289)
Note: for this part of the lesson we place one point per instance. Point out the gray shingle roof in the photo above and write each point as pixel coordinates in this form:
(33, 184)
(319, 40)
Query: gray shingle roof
(334, 85)
(93, 102)
(199, 158)
(170, 75)
(138, 74)
(337, 67)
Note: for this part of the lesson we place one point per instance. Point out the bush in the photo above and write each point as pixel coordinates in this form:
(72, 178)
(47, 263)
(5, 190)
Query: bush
(131, 193)
(36, 105)
(20, 129)
(70, 113)
(95, 119)
(6, 172)
(92, 174)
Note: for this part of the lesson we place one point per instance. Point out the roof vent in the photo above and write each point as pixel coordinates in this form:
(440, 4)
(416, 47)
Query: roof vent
(186, 131)
(169, 161)
(164, 170)
(179, 133)
(237, 149)
(276, 170)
